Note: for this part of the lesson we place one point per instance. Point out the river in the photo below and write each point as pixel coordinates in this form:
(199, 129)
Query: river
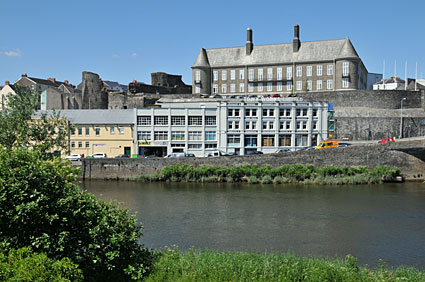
(371, 222)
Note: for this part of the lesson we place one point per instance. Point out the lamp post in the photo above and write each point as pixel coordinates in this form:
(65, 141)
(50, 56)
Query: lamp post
(401, 117)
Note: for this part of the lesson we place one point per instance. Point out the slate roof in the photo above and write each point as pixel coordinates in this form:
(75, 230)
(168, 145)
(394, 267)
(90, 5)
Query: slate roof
(46, 82)
(310, 51)
(115, 84)
(96, 116)
(392, 79)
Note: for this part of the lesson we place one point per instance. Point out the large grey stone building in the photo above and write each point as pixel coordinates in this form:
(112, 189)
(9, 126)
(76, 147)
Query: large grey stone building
(279, 68)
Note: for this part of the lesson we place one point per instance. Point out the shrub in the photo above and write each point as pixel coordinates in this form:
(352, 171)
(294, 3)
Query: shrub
(253, 179)
(267, 179)
(277, 180)
(24, 265)
(42, 208)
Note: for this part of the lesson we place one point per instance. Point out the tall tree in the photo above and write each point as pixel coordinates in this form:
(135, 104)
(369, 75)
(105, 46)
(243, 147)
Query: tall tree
(22, 126)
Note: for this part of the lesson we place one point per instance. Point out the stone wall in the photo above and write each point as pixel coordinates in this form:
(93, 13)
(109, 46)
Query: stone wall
(368, 155)
(94, 94)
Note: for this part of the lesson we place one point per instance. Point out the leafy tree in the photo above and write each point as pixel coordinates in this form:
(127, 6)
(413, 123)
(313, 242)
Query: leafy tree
(41, 207)
(22, 126)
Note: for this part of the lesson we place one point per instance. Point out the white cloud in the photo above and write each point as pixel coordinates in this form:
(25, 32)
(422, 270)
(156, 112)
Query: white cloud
(134, 54)
(115, 56)
(16, 53)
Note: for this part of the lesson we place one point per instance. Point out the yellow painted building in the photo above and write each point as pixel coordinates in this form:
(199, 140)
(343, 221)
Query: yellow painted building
(101, 131)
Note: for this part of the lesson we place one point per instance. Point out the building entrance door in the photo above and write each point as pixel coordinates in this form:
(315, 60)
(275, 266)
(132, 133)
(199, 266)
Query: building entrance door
(127, 151)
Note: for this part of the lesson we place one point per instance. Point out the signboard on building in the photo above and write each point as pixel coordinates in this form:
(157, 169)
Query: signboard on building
(144, 142)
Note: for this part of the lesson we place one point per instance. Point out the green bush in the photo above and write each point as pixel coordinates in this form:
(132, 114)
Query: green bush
(267, 179)
(253, 179)
(24, 265)
(277, 180)
(42, 208)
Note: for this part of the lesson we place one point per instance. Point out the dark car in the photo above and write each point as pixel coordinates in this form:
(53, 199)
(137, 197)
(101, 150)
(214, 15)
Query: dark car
(253, 153)
(122, 156)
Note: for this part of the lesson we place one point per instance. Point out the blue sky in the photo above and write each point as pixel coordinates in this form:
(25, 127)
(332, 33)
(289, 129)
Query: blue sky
(127, 40)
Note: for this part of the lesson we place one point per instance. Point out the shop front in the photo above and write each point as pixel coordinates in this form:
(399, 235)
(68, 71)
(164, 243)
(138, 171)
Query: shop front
(152, 148)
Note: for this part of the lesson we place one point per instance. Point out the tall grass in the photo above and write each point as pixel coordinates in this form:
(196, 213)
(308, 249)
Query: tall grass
(306, 174)
(207, 265)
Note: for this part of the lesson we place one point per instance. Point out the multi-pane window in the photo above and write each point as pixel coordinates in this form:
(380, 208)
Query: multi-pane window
(279, 73)
(330, 70)
(232, 88)
(210, 120)
(178, 120)
(223, 88)
(269, 73)
(121, 130)
(302, 125)
(80, 130)
(73, 144)
(195, 120)
(194, 146)
(345, 69)
(241, 87)
(160, 135)
(210, 136)
(233, 140)
(299, 85)
(87, 130)
(215, 75)
(215, 88)
(319, 69)
(301, 112)
(112, 130)
(289, 86)
(160, 120)
(285, 112)
(260, 74)
(97, 131)
(268, 112)
(329, 84)
(267, 140)
(251, 140)
(80, 144)
(319, 85)
(345, 82)
(299, 71)
(198, 75)
(251, 112)
(233, 124)
(197, 88)
(309, 70)
(177, 135)
(224, 75)
(309, 85)
(315, 124)
(315, 112)
(241, 74)
(87, 144)
(285, 140)
(250, 87)
(143, 120)
(289, 73)
(279, 86)
(251, 74)
(260, 87)
(143, 135)
(269, 86)
(285, 125)
(195, 135)
(268, 124)
(301, 140)
(250, 125)
(232, 75)
(210, 146)
(233, 112)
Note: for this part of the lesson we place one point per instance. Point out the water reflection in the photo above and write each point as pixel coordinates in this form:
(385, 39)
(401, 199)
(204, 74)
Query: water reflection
(369, 222)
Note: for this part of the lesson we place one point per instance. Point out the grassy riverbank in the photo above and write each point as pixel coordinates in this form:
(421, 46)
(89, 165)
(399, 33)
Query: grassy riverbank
(307, 174)
(174, 265)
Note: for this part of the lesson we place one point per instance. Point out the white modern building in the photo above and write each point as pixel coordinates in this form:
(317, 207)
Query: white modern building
(237, 126)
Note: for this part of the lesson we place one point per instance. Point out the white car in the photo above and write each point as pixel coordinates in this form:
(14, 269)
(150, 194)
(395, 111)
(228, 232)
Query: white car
(73, 157)
(99, 156)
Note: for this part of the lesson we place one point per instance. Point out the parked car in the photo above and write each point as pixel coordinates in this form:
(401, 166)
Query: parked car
(275, 96)
(386, 140)
(344, 145)
(190, 155)
(253, 153)
(151, 157)
(215, 96)
(217, 154)
(176, 155)
(73, 157)
(122, 156)
(231, 96)
(98, 155)
(328, 144)
(284, 150)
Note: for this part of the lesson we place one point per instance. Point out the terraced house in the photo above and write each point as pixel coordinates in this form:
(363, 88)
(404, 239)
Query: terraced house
(279, 68)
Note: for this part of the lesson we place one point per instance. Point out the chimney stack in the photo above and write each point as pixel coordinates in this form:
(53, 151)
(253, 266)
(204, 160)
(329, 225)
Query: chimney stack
(249, 44)
(52, 79)
(66, 82)
(297, 43)
(24, 75)
(6, 82)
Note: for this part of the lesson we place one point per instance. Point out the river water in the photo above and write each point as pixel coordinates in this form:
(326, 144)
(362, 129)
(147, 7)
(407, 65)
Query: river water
(371, 222)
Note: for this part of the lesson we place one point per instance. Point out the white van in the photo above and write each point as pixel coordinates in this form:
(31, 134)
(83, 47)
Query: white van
(176, 155)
